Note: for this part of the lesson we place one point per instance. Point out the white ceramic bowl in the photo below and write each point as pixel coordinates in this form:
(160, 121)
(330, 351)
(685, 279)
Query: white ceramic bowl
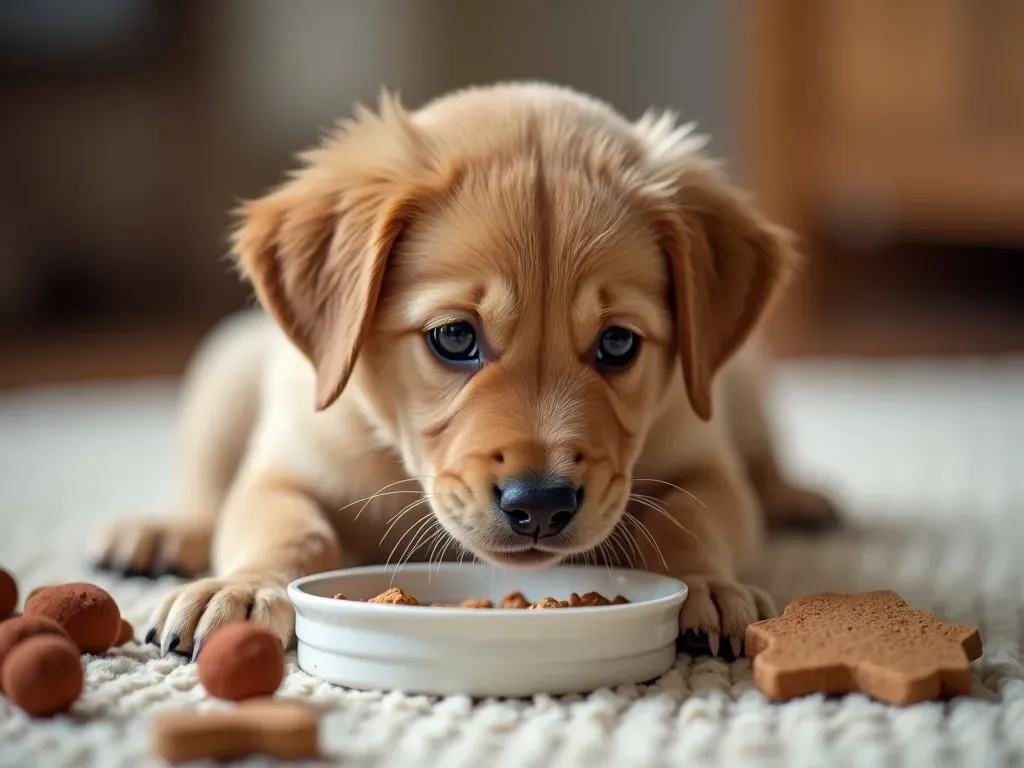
(485, 652)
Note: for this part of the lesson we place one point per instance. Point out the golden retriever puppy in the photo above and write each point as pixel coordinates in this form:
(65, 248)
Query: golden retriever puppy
(510, 326)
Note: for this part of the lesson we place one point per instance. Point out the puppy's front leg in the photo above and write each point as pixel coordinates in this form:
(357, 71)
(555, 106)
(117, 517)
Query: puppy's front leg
(270, 533)
(705, 526)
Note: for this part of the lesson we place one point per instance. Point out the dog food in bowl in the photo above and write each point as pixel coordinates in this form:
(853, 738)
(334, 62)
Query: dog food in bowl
(512, 600)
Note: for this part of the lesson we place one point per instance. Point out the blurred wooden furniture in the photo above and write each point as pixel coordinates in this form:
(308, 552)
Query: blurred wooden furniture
(870, 122)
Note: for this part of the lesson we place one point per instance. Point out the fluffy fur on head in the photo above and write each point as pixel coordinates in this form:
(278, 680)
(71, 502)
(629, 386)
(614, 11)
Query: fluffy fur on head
(540, 217)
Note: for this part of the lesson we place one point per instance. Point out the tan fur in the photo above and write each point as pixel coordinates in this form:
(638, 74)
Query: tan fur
(541, 217)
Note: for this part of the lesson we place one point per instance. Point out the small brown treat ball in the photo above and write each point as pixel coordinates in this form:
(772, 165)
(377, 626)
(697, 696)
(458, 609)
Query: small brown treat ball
(394, 596)
(15, 631)
(515, 600)
(36, 590)
(87, 613)
(592, 599)
(241, 660)
(476, 602)
(340, 596)
(125, 634)
(8, 594)
(43, 675)
(619, 600)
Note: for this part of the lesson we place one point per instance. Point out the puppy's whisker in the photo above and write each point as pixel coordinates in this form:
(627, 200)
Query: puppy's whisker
(415, 526)
(440, 540)
(631, 537)
(440, 558)
(663, 511)
(396, 518)
(671, 485)
(424, 538)
(410, 550)
(647, 534)
(621, 538)
(370, 498)
(652, 499)
(378, 495)
(668, 516)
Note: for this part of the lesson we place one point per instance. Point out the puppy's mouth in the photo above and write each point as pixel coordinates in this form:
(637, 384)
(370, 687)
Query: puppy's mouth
(524, 557)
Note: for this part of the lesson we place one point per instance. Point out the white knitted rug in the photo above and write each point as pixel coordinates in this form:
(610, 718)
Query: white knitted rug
(927, 458)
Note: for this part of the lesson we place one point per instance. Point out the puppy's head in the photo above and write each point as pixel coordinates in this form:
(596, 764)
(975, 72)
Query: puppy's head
(509, 285)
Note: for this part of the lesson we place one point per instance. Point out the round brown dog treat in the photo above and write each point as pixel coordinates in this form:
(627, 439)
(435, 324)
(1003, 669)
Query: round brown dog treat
(241, 660)
(43, 675)
(35, 591)
(16, 631)
(88, 614)
(394, 596)
(125, 634)
(872, 643)
(476, 602)
(8, 594)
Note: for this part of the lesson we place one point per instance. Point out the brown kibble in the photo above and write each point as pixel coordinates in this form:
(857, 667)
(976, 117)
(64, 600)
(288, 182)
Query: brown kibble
(17, 630)
(88, 614)
(241, 660)
(592, 599)
(515, 600)
(476, 602)
(43, 675)
(340, 596)
(125, 634)
(8, 594)
(549, 602)
(872, 643)
(619, 600)
(276, 728)
(394, 596)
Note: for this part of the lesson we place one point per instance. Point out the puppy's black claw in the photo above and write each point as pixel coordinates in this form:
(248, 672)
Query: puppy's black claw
(150, 637)
(694, 643)
(169, 644)
(130, 572)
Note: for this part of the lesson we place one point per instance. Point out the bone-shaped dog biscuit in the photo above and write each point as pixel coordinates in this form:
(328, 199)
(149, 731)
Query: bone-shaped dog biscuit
(271, 727)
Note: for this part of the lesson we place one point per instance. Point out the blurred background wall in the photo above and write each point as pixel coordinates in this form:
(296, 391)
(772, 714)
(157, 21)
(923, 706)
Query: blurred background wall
(890, 135)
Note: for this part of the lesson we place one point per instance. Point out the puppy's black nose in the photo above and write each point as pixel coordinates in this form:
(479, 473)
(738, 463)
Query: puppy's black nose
(539, 506)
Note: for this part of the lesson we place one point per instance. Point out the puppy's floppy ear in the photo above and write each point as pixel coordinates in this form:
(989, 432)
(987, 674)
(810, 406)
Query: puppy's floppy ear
(315, 249)
(726, 261)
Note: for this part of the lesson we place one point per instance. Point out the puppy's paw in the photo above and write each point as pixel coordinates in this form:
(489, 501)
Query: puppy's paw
(190, 614)
(152, 548)
(795, 508)
(717, 612)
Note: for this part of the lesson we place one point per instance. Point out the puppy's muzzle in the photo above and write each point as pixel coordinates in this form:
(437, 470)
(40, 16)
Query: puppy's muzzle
(538, 507)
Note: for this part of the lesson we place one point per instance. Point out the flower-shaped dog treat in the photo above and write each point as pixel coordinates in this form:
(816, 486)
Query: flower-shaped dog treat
(873, 643)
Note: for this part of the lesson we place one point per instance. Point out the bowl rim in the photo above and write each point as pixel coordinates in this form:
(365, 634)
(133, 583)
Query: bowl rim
(305, 600)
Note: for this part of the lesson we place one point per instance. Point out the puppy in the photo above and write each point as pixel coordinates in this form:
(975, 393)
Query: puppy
(511, 326)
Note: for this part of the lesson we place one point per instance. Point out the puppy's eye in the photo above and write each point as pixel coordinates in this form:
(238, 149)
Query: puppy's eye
(617, 347)
(454, 342)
